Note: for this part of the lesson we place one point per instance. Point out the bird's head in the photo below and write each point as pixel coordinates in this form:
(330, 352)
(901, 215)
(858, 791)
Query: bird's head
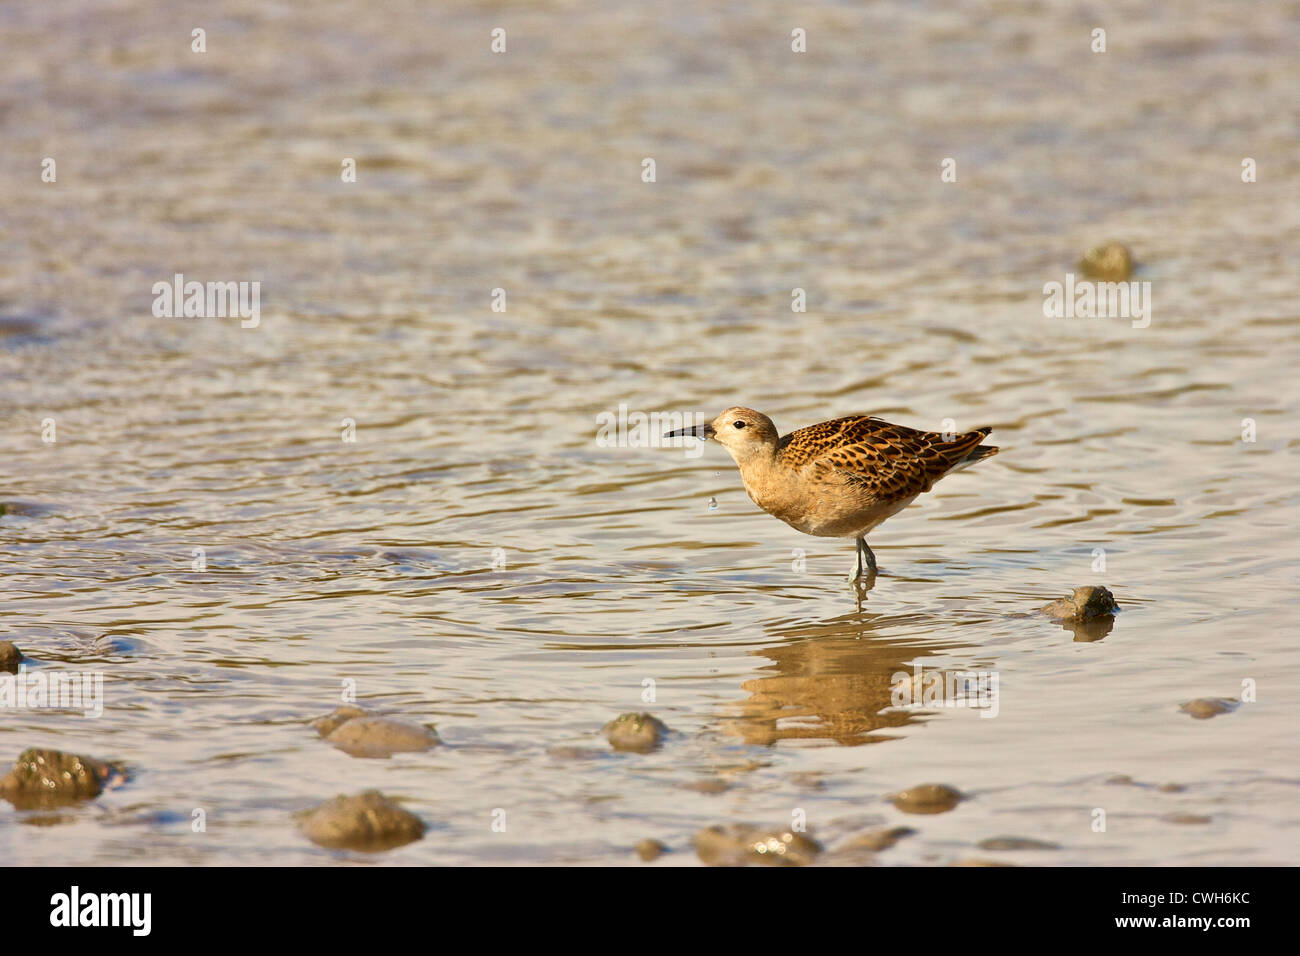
(744, 432)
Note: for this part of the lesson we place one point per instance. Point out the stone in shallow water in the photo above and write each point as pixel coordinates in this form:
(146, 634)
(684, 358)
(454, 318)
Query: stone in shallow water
(1190, 818)
(1203, 708)
(739, 844)
(927, 798)
(809, 780)
(25, 509)
(638, 733)
(569, 752)
(328, 724)
(42, 778)
(18, 325)
(360, 734)
(382, 737)
(881, 838)
(649, 850)
(1110, 262)
(369, 822)
(10, 657)
(973, 861)
(1084, 604)
(1016, 843)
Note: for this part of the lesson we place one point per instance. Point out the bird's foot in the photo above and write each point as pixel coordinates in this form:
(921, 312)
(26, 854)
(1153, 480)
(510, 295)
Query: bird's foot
(864, 564)
(863, 584)
(863, 577)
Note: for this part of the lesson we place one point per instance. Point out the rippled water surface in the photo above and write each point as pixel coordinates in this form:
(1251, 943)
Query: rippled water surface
(372, 561)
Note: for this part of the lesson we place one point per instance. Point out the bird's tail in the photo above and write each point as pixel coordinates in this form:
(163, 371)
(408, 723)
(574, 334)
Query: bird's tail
(978, 453)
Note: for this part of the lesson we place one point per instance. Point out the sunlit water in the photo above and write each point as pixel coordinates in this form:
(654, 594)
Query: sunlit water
(373, 561)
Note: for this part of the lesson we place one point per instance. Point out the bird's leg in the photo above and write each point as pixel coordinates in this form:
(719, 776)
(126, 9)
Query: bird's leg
(870, 555)
(856, 573)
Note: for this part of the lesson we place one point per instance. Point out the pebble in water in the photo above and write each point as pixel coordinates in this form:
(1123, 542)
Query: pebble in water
(365, 735)
(649, 850)
(1084, 604)
(638, 733)
(329, 723)
(369, 822)
(10, 657)
(739, 844)
(43, 778)
(1016, 843)
(569, 752)
(973, 861)
(881, 838)
(927, 798)
(1203, 708)
(1110, 262)
(25, 509)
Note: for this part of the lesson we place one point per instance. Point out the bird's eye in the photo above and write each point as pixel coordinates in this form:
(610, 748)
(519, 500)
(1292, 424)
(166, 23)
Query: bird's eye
(740, 424)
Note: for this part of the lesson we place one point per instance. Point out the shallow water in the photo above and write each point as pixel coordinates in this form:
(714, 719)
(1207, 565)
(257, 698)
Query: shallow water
(372, 561)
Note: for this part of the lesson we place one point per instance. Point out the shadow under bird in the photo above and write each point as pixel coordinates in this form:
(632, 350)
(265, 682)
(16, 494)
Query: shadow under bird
(842, 478)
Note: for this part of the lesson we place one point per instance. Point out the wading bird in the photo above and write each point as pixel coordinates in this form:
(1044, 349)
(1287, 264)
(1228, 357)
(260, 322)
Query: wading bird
(842, 478)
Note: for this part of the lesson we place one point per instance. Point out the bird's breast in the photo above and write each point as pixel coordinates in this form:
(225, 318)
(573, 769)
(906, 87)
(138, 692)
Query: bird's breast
(804, 505)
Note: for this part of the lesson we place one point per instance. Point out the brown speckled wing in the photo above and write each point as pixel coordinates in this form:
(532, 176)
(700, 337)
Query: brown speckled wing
(886, 461)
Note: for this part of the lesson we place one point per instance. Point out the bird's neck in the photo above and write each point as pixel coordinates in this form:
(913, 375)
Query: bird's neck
(755, 463)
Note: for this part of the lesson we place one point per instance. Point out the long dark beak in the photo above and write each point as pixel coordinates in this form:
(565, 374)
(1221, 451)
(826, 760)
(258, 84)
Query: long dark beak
(702, 432)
